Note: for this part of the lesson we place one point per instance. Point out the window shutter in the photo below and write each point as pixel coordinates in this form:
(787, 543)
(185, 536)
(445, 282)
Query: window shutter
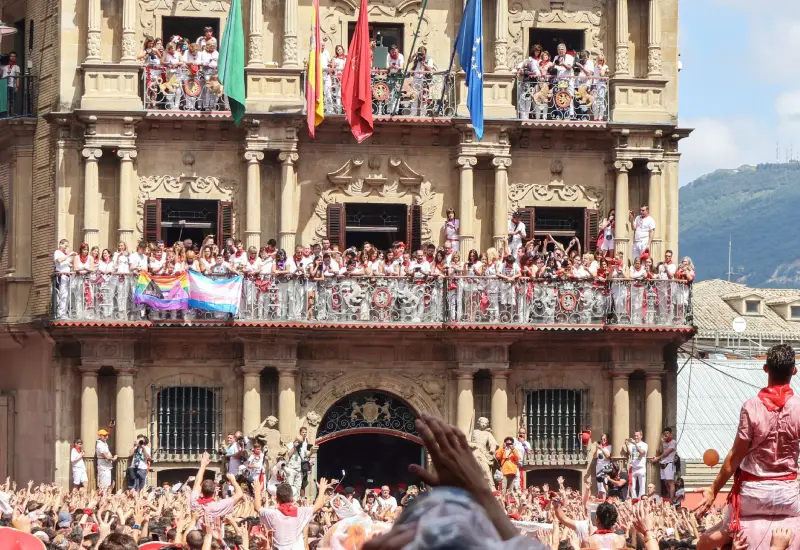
(414, 227)
(591, 228)
(152, 220)
(526, 216)
(224, 222)
(336, 224)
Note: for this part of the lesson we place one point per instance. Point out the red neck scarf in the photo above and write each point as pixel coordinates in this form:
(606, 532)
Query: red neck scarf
(239, 253)
(252, 260)
(775, 397)
(288, 509)
(202, 501)
(157, 255)
(604, 532)
(84, 257)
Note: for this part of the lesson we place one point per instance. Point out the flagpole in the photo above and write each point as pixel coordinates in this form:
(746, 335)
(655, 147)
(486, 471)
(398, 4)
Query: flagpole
(416, 35)
(452, 60)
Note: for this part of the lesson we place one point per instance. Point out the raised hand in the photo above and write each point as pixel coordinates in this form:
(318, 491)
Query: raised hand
(781, 538)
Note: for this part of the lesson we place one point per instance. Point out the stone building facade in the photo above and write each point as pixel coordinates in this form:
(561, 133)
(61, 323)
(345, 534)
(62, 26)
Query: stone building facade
(97, 155)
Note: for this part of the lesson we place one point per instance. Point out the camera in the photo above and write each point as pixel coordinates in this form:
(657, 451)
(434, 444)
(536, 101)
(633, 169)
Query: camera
(141, 442)
(240, 439)
(601, 475)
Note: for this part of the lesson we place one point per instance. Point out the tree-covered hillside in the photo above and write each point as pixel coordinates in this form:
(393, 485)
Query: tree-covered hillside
(759, 208)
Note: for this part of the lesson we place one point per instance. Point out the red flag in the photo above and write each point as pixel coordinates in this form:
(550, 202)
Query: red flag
(357, 79)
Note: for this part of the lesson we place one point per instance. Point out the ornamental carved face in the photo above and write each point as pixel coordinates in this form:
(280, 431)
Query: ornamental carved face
(483, 423)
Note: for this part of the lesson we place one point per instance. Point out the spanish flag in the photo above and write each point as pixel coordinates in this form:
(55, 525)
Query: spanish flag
(315, 108)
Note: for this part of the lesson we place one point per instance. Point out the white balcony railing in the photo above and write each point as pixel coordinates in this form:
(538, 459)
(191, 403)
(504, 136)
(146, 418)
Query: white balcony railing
(562, 98)
(398, 301)
(183, 88)
(412, 94)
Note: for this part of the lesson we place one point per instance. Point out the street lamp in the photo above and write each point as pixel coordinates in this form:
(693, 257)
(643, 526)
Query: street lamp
(5, 30)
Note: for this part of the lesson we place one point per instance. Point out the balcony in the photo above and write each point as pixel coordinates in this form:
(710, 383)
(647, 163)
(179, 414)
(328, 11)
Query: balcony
(419, 94)
(460, 302)
(183, 88)
(577, 99)
(22, 102)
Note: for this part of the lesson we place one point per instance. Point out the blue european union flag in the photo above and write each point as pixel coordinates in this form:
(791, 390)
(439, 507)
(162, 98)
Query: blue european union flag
(469, 45)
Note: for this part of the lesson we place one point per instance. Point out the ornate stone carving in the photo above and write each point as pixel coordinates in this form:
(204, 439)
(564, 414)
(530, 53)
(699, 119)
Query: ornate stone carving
(93, 44)
(434, 385)
(290, 50)
(268, 435)
(623, 165)
(128, 45)
(655, 167)
(149, 9)
(253, 156)
(622, 61)
(127, 154)
(92, 154)
(483, 446)
(558, 191)
(313, 419)
(311, 382)
(339, 12)
(500, 52)
(288, 157)
(524, 14)
(254, 49)
(151, 186)
(501, 163)
(654, 61)
(348, 181)
(466, 162)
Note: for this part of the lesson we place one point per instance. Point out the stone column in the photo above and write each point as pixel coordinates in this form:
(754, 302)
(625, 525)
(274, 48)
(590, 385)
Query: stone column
(89, 408)
(501, 36)
(94, 19)
(621, 413)
(125, 431)
(256, 23)
(621, 207)
(465, 403)
(500, 404)
(125, 199)
(653, 411)
(654, 40)
(466, 205)
(287, 415)
(290, 34)
(655, 198)
(500, 225)
(129, 20)
(288, 224)
(622, 61)
(91, 196)
(251, 398)
(253, 215)
(670, 183)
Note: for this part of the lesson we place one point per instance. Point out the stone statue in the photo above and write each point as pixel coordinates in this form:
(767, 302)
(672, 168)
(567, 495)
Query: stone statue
(483, 446)
(270, 438)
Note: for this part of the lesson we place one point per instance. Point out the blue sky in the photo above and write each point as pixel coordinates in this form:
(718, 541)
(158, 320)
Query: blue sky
(740, 86)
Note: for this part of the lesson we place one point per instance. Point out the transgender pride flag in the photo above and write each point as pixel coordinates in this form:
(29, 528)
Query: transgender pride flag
(214, 295)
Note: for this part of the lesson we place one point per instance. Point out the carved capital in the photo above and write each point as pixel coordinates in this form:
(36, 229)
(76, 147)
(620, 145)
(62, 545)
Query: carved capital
(465, 374)
(89, 371)
(501, 163)
(92, 153)
(248, 370)
(254, 157)
(466, 163)
(287, 371)
(655, 167)
(125, 154)
(288, 157)
(623, 165)
(124, 369)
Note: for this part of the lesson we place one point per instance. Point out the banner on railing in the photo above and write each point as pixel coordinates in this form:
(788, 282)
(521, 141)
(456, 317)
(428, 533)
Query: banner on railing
(221, 295)
(162, 292)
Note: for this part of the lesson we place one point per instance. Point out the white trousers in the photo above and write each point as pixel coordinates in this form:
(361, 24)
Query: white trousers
(638, 484)
(294, 478)
(103, 478)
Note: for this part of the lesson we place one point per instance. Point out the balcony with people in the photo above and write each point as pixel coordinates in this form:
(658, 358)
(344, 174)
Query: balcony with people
(538, 286)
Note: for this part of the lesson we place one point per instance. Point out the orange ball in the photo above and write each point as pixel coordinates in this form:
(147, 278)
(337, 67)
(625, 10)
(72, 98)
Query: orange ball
(711, 458)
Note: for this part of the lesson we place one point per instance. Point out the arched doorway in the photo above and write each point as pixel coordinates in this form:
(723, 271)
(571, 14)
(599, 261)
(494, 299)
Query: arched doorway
(372, 437)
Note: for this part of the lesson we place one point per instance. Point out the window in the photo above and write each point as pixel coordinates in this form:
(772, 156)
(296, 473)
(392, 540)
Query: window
(549, 39)
(482, 391)
(185, 420)
(171, 220)
(794, 312)
(555, 420)
(190, 28)
(384, 34)
(752, 307)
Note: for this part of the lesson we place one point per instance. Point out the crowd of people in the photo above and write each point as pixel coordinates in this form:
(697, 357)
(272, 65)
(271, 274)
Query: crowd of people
(509, 284)
(182, 74)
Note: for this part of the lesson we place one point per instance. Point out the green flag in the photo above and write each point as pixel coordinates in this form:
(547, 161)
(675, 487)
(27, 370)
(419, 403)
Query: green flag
(231, 61)
(4, 96)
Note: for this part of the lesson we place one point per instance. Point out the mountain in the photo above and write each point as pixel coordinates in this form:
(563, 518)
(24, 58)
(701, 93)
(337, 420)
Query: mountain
(758, 208)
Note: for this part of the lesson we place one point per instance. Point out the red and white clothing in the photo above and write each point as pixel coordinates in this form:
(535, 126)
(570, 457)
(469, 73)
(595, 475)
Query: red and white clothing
(255, 468)
(251, 266)
(642, 226)
(78, 467)
(238, 260)
(287, 529)
(157, 263)
(62, 261)
(667, 462)
(212, 508)
(601, 463)
(451, 228)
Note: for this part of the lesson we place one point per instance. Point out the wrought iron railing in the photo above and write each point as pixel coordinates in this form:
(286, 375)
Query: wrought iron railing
(555, 419)
(185, 422)
(20, 97)
(398, 300)
(183, 88)
(562, 98)
(397, 93)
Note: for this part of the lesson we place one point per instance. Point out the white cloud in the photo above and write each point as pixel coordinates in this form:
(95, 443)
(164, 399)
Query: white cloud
(787, 104)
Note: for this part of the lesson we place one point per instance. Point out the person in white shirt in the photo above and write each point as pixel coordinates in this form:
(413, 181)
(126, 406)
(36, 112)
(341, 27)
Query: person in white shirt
(666, 460)
(236, 452)
(277, 476)
(208, 35)
(394, 59)
(421, 68)
(395, 64)
(604, 450)
(516, 232)
(239, 257)
(419, 269)
(193, 58)
(670, 266)
(563, 62)
(255, 465)
(288, 522)
(644, 226)
(387, 504)
(140, 458)
(158, 260)
(62, 261)
(523, 448)
(105, 461)
(79, 477)
(637, 460)
(209, 60)
(11, 72)
(298, 451)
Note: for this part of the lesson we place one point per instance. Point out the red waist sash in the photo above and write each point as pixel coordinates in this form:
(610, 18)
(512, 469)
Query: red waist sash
(735, 496)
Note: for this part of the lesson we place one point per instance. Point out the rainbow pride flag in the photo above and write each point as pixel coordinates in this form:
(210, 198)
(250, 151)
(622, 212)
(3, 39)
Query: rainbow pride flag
(162, 292)
(221, 295)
